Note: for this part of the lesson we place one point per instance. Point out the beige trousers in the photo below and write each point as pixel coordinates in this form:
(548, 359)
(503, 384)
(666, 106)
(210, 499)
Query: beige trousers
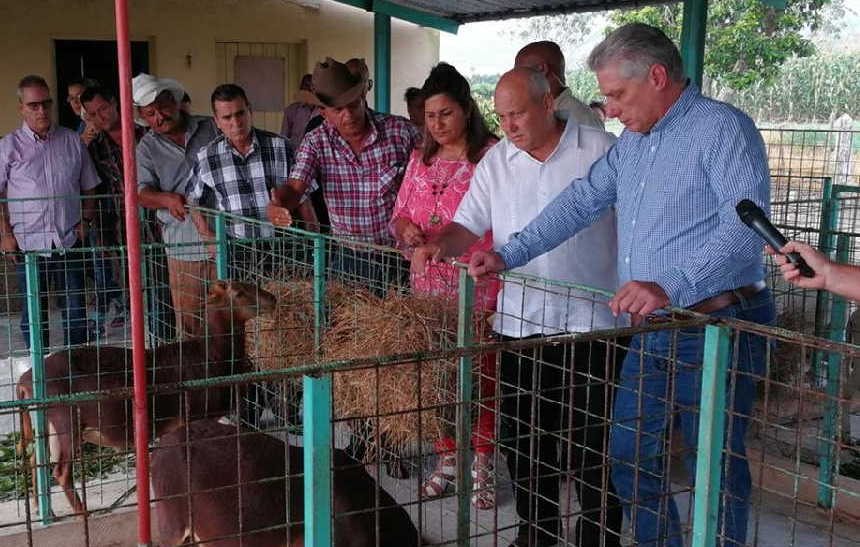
(188, 293)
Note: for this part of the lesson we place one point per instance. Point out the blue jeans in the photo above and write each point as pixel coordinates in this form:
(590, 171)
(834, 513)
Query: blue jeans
(62, 275)
(103, 275)
(652, 389)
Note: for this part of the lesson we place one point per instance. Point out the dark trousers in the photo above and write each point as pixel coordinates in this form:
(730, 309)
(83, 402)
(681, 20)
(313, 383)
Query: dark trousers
(61, 276)
(107, 288)
(253, 260)
(552, 394)
(376, 270)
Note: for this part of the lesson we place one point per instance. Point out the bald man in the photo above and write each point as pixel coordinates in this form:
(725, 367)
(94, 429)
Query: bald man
(541, 153)
(546, 57)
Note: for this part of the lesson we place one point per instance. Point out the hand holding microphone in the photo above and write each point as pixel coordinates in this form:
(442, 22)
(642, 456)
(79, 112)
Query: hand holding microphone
(752, 215)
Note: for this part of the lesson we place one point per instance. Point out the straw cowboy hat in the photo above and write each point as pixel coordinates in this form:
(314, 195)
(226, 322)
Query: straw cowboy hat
(146, 87)
(335, 86)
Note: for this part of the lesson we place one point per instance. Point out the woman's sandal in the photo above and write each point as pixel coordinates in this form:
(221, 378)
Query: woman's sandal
(483, 483)
(442, 477)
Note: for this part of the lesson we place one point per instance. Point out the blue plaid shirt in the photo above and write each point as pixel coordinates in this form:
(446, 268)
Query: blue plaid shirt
(674, 190)
(241, 184)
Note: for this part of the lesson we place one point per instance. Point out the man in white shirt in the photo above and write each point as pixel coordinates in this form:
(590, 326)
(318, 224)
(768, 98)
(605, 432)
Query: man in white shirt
(546, 57)
(539, 157)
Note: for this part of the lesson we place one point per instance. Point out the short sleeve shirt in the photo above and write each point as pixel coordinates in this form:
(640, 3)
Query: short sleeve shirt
(359, 190)
(165, 166)
(241, 184)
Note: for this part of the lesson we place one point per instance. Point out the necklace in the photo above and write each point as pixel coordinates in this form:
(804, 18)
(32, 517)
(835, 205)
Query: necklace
(438, 186)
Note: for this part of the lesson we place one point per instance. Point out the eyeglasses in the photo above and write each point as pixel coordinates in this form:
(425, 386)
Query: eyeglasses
(39, 105)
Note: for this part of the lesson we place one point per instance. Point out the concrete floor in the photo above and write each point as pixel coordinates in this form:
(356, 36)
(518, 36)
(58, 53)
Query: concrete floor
(775, 522)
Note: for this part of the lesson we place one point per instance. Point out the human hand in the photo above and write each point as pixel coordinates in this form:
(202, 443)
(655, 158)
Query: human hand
(638, 298)
(209, 239)
(410, 233)
(175, 205)
(89, 133)
(484, 262)
(423, 255)
(815, 259)
(9, 246)
(277, 213)
(83, 229)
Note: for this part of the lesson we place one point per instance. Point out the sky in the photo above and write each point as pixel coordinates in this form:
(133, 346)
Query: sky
(486, 48)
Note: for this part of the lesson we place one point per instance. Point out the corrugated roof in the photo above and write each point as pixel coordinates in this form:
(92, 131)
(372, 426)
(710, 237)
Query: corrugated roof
(468, 11)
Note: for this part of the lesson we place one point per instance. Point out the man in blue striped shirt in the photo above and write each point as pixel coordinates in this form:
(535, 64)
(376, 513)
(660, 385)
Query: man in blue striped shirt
(674, 177)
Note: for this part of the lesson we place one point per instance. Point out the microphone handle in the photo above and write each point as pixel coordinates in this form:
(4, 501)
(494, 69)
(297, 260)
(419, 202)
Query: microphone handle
(801, 264)
(775, 239)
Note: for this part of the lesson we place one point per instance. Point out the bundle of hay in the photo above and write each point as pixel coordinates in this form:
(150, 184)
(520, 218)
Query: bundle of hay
(285, 338)
(366, 325)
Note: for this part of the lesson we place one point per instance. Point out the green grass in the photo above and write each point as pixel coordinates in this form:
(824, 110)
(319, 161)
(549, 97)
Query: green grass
(99, 462)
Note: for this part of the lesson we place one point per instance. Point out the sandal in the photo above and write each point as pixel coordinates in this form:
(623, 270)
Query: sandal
(442, 477)
(483, 483)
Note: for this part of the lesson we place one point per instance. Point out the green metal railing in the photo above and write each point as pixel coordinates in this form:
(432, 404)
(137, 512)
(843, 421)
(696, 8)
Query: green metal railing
(317, 388)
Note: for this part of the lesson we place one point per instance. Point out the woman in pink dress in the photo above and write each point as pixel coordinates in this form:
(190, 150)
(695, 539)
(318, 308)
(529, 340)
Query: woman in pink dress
(435, 181)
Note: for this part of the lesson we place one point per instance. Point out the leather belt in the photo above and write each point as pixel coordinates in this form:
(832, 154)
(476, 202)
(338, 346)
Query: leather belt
(728, 298)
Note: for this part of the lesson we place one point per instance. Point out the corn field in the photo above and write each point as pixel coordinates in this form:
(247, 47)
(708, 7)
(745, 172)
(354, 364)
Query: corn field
(810, 89)
(816, 89)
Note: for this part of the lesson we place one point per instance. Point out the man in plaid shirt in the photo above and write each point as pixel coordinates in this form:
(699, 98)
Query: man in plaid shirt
(240, 168)
(358, 157)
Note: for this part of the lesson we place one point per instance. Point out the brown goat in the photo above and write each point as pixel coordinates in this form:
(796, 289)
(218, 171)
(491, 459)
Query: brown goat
(110, 423)
(269, 472)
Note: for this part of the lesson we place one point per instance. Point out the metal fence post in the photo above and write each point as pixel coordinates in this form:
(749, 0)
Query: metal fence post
(319, 290)
(317, 460)
(830, 426)
(712, 422)
(316, 437)
(464, 408)
(222, 258)
(37, 357)
(827, 225)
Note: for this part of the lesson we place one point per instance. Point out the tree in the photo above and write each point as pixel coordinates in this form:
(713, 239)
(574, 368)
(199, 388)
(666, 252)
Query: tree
(747, 41)
(568, 30)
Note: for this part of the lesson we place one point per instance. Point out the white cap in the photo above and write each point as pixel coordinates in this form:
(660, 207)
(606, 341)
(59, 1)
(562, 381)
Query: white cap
(146, 87)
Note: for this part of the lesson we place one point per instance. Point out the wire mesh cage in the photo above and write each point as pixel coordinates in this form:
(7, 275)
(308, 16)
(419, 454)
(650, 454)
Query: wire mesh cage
(432, 417)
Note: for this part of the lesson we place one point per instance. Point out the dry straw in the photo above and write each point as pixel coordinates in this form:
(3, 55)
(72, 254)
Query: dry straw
(362, 324)
(369, 326)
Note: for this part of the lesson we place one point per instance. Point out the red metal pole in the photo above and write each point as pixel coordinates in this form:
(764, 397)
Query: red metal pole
(135, 288)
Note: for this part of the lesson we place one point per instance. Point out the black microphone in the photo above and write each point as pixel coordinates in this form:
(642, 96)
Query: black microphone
(752, 215)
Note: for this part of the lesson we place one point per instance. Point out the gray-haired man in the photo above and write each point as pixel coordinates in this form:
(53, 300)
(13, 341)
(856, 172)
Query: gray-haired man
(44, 169)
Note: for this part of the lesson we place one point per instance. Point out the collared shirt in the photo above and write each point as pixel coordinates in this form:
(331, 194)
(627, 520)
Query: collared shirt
(508, 190)
(107, 159)
(296, 118)
(49, 169)
(241, 184)
(675, 190)
(359, 190)
(576, 109)
(164, 166)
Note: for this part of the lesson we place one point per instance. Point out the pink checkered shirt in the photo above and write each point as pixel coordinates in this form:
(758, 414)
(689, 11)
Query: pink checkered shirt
(359, 191)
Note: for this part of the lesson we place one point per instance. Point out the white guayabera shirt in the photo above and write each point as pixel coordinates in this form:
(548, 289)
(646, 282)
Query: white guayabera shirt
(508, 190)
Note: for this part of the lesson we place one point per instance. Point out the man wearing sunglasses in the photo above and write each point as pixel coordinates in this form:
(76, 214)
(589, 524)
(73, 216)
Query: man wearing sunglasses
(44, 171)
